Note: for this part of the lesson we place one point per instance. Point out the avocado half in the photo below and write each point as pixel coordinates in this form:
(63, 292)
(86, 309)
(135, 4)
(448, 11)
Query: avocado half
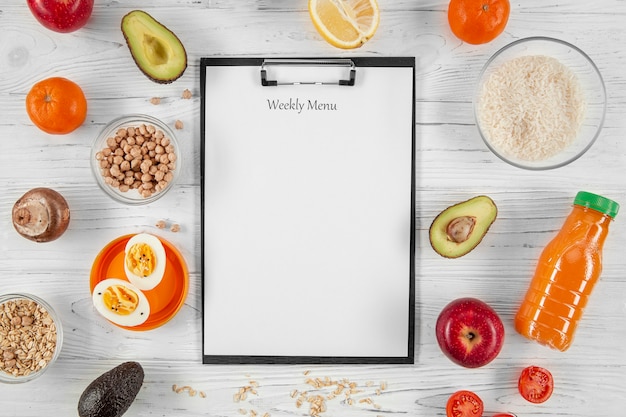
(156, 50)
(461, 227)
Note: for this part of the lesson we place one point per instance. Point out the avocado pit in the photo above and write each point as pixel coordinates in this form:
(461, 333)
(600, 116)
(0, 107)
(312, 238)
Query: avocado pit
(460, 228)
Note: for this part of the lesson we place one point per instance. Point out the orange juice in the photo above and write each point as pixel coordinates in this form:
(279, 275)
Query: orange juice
(567, 270)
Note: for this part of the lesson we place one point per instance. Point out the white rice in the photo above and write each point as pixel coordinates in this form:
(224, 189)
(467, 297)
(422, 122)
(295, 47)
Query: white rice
(531, 108)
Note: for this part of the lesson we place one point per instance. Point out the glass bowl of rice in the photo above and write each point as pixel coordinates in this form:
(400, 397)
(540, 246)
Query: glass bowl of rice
(539, 103)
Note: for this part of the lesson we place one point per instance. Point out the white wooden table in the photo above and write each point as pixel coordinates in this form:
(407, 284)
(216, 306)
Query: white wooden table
(452, 165)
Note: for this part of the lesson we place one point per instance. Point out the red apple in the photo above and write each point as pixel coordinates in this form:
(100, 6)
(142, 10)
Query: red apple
(469, 332)
(61, 15)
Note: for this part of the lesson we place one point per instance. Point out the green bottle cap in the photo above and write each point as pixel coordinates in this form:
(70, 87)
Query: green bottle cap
(597, 202)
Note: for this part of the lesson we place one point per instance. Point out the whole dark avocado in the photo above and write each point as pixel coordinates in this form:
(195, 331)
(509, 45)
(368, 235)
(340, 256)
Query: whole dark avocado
(112, 393)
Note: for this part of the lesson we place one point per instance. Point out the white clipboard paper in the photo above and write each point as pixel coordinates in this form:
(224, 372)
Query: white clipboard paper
(308, 210)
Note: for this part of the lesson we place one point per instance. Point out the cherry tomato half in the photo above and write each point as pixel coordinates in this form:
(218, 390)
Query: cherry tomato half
(464, 404)
(535, 384)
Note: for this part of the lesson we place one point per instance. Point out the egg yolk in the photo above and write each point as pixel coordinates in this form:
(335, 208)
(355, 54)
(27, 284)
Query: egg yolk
(120, 299)
(140, 260)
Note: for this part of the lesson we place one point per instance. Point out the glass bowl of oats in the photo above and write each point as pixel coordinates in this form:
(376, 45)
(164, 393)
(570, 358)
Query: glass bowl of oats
(136, 159)
(540, 103)
(31, 337)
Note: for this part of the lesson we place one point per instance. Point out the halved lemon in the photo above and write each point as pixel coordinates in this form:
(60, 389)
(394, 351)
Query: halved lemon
(345, 24)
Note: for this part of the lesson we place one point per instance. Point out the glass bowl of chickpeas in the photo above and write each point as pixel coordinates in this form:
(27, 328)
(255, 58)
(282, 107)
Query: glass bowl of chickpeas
(136, 159)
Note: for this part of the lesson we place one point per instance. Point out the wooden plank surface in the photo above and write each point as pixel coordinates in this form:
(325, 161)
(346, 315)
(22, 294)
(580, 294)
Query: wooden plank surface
(452, 165)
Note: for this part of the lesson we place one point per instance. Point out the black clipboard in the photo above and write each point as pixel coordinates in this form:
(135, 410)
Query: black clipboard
(308, 239)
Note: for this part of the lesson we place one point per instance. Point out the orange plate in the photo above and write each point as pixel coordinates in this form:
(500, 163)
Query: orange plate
(165, 299)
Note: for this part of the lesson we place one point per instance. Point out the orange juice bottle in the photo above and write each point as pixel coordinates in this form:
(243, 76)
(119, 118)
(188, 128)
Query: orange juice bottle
(567, 270)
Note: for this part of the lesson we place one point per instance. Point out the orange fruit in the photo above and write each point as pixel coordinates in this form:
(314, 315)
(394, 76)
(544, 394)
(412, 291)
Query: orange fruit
(345, 24)
(478, 21)
(56, 105)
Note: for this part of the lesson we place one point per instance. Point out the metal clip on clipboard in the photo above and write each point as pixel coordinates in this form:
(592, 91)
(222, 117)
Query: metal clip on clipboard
(299, 72)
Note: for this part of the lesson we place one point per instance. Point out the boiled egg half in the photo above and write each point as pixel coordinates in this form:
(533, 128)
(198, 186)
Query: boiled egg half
(121, 302)
(144, 261)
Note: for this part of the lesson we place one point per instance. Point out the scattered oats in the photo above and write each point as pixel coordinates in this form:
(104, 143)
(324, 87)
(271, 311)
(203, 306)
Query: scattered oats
(186, 94)
(175, 227)
(178, 124)
(192, 392)
(243, 411)
(155, 100)
(161, 224)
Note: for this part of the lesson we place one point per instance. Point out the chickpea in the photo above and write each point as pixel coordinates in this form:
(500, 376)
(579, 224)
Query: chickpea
(138, 157)
(115, 170)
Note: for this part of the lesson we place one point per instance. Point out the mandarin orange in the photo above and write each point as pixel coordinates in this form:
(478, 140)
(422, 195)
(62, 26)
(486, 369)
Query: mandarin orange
(56, 105)
(478, 21)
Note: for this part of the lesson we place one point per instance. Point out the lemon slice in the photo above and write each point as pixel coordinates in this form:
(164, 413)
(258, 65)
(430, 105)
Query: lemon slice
(345, 24)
